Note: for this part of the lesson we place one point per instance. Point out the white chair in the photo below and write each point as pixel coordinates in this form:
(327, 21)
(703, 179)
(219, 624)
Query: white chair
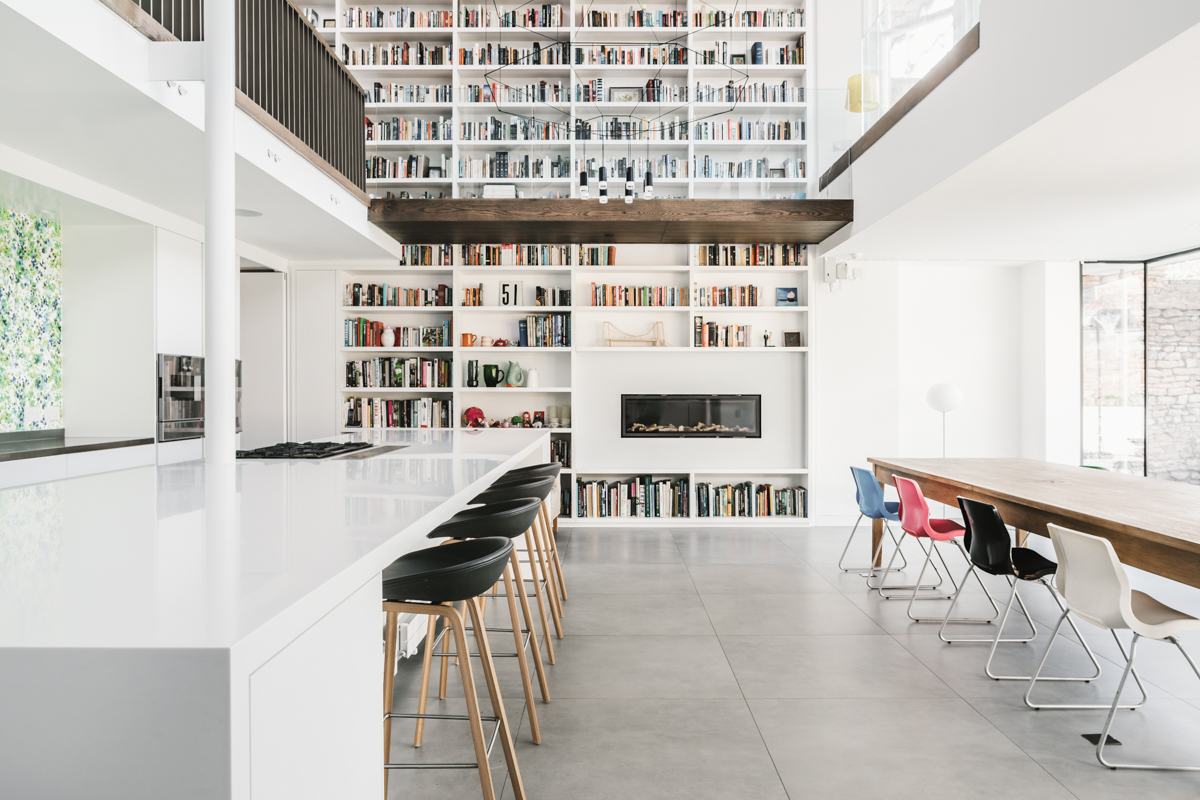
(1095, 587)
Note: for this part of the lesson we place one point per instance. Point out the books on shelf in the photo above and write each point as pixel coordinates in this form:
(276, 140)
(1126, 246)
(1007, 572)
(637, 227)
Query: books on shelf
(412, 166)
(598, 256)
(398, 54)
(488, 55)
(765, 18)
(732, 92)
(710, 334)
(512, 129)
(399, 373)
(749, 130)
(752, 168)
(383, 92)
(749, 255)
(605, 294)
(361, 332)
(641, 496)
(560, 452)
(495, 92)
(541, 16)
(402, 129)
(664, 166)
(374, 17)
(748, 500)
(527, 167)
(515, 255)
(418, 412)
(639, 18)
(544, 330)
(551, 297)
(726, 296)
(631, 55)
(383, 295)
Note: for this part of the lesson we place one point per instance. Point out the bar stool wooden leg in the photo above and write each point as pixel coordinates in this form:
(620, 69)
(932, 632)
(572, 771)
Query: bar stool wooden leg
(445, 666)
(464, 667)
(550, 531)
(510, 589)
(426, 665)
(391, 620)
(534, 730)
(551, 591)
(523, 599)
(537, 593)
(489, 673)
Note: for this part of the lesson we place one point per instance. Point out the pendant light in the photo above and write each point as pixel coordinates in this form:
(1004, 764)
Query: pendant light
(628, 185)
(583, 187)
(603, 185)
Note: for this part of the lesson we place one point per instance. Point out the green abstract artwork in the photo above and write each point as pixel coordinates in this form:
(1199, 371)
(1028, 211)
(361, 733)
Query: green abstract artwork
(30, 323)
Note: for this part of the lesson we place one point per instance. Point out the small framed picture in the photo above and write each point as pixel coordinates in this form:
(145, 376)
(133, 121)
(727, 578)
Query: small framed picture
(625, 94)
(791, 339)
(777, 173)
(329, 23)
(786, 296)
(738, 58)
(435, 172)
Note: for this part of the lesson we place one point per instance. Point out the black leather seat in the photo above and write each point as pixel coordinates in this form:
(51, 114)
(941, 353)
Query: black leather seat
(507, 518)
(536, 471)
(456, 571)
(538, 488)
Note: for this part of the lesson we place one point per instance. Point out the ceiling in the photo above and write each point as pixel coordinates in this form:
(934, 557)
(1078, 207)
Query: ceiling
(1114, 174)
(81, 117)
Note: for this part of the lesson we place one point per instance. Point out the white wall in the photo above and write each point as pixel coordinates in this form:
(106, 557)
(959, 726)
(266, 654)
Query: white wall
(264, 358)
(109, 369)
(315, 333)
(179, 293)
(1050, 370)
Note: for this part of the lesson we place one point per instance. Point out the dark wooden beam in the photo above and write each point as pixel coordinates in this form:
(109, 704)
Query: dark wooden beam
(962, 50)
(567, 221)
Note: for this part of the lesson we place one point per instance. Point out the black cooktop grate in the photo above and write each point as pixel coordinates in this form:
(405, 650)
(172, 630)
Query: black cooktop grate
(309, 450)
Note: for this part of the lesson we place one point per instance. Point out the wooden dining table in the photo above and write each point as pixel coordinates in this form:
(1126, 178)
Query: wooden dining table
(1153, 524)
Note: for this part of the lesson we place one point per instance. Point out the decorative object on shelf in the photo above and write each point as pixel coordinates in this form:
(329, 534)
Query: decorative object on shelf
(791, 339)
(492, 375)
(777, 173)
(862, 93)
(514, 375)
(469, 339)
(615, 337)
(526, 420)
(517, 421)
(625, 94)
(512, 293)
(472, 374)
(502, 342)
(738, 59)
(486, 341)
(539, 419)
(787, 296)
(565, 416)
(435, 172)
(767, 339)
(473, 418)
(387, 338)
(533, 379)
(552, 416)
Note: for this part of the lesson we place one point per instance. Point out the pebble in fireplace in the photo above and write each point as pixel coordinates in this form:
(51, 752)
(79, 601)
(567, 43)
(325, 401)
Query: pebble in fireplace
(691, 415)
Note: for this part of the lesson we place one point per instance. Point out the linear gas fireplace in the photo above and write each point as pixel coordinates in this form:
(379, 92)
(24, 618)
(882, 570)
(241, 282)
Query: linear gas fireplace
(713, 416)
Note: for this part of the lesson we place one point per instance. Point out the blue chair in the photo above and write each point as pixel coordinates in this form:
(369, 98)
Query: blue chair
(869, 496)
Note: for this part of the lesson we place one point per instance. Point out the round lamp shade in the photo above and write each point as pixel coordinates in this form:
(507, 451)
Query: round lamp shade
(862, 93)
(944, 397)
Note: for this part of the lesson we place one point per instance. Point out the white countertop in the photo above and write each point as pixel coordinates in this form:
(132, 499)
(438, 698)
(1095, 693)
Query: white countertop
(195, 556)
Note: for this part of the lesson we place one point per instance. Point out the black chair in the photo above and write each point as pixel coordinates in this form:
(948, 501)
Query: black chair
(508, 519)
(991, 550)
(428, 582)
(548, 517)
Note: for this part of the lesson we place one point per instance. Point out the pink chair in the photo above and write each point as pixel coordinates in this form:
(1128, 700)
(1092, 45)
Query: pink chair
(915, 521)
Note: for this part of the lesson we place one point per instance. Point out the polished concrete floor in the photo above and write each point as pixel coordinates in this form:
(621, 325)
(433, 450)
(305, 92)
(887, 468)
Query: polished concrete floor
(735, 663)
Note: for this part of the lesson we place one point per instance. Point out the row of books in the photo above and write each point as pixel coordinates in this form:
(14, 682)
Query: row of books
(642, 496)
(543, 16)
(560, 452)
(551, 297)
(515, 255)
(540, 92)
(724, 54)
(381, 92)
(750, 93)
(747, 500)
(410, 166)
(711, 334)
(749, 255)
(374, 294)
(401, 54)
(522, 129)
(752, 168)
(488, 55)
(743, 129)
(604, 294)
(644, 129)
(404, 17)
(641, 18)
(418, 412)
(727, 296)
(399, 373)
(597, 256)
(664, 166)
(499, 166)
(402, 129)
(625, 55)
(767, 18)
(544, 330)
(362, 332)
(426, 255)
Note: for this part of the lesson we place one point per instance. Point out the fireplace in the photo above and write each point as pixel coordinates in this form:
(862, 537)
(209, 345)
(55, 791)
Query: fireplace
(709, 416)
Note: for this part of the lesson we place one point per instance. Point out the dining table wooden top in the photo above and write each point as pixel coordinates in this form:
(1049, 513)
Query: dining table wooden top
(1149, 521)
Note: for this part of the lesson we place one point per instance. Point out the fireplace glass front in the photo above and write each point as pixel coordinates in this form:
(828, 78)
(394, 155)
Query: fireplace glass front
(732, 416)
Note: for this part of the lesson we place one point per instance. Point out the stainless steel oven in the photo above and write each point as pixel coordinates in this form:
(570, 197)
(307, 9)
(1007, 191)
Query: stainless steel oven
(180, 397)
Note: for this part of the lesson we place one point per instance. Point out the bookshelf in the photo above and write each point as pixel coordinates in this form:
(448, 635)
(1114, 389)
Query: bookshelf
(712, 165)
(568, 375)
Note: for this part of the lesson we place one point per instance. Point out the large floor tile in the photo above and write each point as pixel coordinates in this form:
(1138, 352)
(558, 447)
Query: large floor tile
(636, 614)
(585, 578)
(933, 749)
(1165, 731)
(621, 546)
(829, 667)
(649, 750)
(758, 579)
(641, 667)
(767, 614)
(718, 546)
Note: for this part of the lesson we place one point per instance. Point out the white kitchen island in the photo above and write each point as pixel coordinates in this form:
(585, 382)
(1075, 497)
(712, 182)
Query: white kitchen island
(193, 631)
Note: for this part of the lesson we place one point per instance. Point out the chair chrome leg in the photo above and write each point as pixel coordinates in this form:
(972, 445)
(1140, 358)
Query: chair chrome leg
(903, 591)
(1037, 675)
(994, 640)
(871, 570)
(958, 588)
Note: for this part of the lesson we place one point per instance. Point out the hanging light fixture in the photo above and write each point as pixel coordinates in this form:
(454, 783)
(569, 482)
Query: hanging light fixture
(603, 185)
(648, 187)
(862, 93)
(628, 185)
(583, 187)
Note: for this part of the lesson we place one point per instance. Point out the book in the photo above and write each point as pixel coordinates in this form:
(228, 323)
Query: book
(756, 53)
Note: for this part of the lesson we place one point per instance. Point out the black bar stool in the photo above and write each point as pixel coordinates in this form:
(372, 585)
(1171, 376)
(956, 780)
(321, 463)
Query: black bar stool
(549, 520)
(428, 582)
(508, 519)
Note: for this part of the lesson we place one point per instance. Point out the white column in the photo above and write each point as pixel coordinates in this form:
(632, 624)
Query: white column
(220, 261)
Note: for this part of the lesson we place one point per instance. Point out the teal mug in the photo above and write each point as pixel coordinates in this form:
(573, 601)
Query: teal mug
(492, 375)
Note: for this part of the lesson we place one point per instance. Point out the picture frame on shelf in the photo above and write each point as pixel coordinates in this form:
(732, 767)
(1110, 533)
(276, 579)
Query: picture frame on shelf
(786, 296)
(792, 339)
(738, 58)
(435, 172)
(777, 173)
(625, 94)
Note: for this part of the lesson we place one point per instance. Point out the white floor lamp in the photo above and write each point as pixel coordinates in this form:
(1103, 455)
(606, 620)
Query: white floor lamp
(944, 397)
